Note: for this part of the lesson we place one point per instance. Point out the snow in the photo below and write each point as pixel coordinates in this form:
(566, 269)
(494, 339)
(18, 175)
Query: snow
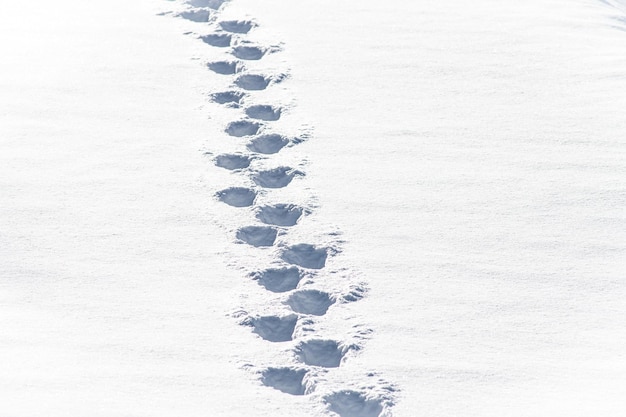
(278, 208)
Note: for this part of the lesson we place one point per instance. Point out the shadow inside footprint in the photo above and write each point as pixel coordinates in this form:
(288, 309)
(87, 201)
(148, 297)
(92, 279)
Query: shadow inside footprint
(275, 178)
(223, 67)
(349, 403)
(268, 144)
(310, 302)
(252, 82)
(264, 112)
(237, 26)
(257, 235)
(317, 352)
(221, 40)
(237, 196)
(242, 128)
(273, 328)
(279, 279)
(305, 255)
(212, 4)
(251, 53)
(227, 97)
(200, 16)
(232, 161)
(279, 214)
(287, 380)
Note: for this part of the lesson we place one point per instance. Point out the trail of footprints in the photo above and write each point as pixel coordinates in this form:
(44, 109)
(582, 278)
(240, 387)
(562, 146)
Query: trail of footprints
(299, 263)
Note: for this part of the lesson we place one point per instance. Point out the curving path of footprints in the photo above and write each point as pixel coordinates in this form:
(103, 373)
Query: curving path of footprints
(297, 266)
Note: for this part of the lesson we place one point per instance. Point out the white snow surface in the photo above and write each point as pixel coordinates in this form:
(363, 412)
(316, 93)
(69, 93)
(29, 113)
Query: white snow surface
(457, 168)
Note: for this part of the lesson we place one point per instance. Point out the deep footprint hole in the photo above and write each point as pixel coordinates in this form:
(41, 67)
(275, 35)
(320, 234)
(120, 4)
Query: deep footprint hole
(310, 302)
(224, 67)
(237, 26)
(257, 235)
(252, 82)
(275, 178)
(264, 112)
(242, 128)
(317, 352)
(212, 4)
(251, 53)
(237, 196)
(268, 144)
(279, 279)
(220, 40)
(349, 403)
(199, 16)
(273, 328)
(306, 256)
(287, 380)
(228, 97)
(232, 161)
(280, 214)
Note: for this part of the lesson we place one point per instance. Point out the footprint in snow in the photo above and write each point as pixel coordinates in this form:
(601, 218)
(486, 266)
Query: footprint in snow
(237, 196)
(268, 144)
(232, 161)
(264, 112)
(312, 302)
(348, 403)
(273, 328)
(241, 128)
(257, 235)
(225, 67)
(199, 16)
(237, 26)
(280, 214)
(220, 40)
(248, 52)
(252, 82)
(287, 380)
(305, 255)
(211, 4)
(228, 97)
(318, 352)
(279, 279)
(275, 178)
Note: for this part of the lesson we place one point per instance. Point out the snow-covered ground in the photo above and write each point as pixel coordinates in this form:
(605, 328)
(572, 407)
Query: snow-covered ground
(459, 170)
